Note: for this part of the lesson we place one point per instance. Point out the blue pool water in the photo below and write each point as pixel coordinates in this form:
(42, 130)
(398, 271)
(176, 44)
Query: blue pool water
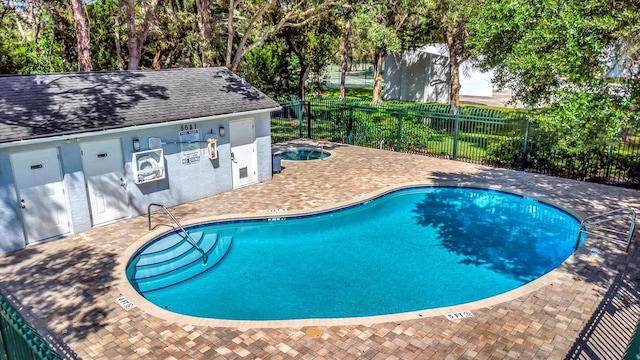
(305, 154)
(412, 249)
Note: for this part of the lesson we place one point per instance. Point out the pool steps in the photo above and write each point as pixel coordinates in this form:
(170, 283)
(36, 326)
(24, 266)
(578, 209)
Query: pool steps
(159, 251)
(168, 262)
(173, 260)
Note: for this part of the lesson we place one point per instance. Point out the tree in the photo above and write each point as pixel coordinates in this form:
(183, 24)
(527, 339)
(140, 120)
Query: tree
(116, 28)
(271, 68)
(379, 26)
(452, 17)
(204, 24)
(137, 36)
(313, 46)
(82, 35)
(348, 10)
(536, 47)
(258, 22)
(38, 37)
(555, 56)
(105, 32)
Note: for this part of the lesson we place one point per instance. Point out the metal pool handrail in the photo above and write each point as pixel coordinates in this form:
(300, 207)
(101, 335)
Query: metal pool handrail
(597, 223)
(321, 146)
(193, 242)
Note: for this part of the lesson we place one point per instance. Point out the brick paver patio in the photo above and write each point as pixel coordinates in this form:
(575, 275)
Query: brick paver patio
(587, 308)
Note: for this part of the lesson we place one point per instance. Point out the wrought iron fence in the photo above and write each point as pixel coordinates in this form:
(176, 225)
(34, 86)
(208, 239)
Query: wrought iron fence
(18, 340)
(487, 136)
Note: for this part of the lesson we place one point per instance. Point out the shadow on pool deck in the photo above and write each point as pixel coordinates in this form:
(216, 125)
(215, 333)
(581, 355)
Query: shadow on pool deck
(81, 274)
(69, 283)
(612, 324)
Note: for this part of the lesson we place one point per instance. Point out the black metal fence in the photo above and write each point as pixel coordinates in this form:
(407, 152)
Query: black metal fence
(486, 136)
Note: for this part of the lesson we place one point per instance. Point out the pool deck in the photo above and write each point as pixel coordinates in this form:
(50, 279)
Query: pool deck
(587, 308)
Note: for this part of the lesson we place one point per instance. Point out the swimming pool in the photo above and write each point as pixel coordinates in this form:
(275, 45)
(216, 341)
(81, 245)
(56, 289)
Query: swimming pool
(305, 153)
(408, 250)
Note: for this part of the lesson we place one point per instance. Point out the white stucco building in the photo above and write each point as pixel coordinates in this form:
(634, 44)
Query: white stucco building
(423, 75)
(79, 150)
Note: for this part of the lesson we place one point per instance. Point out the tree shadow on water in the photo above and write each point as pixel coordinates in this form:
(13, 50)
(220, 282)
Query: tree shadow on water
(611, 272)
(64, 289)
(496, 232)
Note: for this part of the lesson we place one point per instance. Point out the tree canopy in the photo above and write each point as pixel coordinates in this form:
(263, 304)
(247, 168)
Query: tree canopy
(545, 51)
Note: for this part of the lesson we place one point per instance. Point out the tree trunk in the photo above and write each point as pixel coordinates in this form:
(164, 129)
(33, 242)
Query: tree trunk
(135, 38)
(116, 33)
(82, 36)
(304, 74)
(454, 69)
(230, 33)
(132, 43)
(454, 95)
(156, 64)
(377, 76)
(345, 57)
(23, 34)
(204, 23)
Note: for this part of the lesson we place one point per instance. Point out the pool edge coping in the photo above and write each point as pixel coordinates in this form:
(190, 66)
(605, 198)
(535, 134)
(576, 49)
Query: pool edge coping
(550, 278)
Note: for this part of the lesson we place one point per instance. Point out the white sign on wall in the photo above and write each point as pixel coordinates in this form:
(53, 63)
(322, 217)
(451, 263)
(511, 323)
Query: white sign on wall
(189, 146)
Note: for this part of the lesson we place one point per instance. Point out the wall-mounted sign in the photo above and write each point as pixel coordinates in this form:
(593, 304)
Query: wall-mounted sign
(189, 146)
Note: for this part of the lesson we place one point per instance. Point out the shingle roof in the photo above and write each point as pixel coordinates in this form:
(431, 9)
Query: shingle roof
(34, 106)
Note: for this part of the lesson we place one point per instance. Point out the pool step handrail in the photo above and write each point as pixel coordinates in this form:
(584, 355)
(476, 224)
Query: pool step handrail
(596, 225)
(321, 146)
(193, 242)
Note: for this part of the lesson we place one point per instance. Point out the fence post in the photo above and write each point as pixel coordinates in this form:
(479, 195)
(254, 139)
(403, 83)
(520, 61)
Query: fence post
(609, 161)
(300, 115)
(525, 146)
(309, 119)
(456, 113)
(399, 136)
(350, 126)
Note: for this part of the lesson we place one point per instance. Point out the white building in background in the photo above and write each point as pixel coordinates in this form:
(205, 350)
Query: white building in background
(423, 75)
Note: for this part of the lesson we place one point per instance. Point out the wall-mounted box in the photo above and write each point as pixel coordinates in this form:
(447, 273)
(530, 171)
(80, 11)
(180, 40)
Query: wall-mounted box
(148, 166)
(212, 149)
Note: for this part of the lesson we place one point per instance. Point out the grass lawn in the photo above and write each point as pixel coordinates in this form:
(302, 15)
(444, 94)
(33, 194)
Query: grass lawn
(366, 93)
(361, 93)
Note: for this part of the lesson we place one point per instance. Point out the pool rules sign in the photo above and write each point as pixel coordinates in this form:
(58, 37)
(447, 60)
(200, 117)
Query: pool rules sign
(189, 146)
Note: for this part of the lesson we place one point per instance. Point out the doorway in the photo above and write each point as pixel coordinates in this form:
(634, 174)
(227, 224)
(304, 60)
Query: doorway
(103, 167)
(243, 152)
(38, 179)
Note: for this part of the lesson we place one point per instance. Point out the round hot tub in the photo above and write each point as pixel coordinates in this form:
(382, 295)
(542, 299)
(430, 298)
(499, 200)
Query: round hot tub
(304, 153)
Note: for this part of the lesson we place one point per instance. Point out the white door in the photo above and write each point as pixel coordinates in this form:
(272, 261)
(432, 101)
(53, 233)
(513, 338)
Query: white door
(38, 179)
(106, 186)
(243, 152)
